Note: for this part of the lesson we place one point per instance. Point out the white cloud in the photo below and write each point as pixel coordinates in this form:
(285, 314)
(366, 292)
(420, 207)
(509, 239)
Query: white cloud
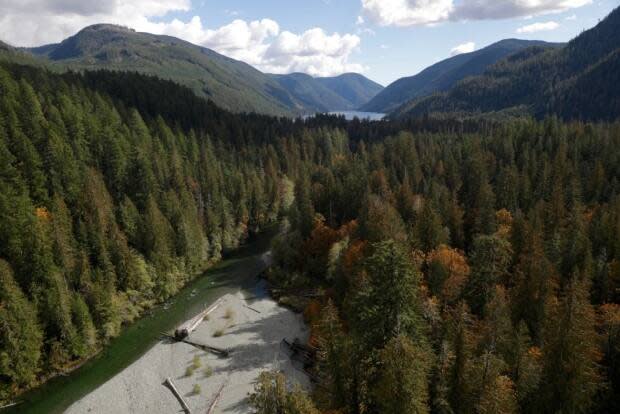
(261, 43)
(360, 20)
(538, 27)
(313, 52)
(407, 12)
(463, 48)
(427, 12)
(571, 17)
(493, 9)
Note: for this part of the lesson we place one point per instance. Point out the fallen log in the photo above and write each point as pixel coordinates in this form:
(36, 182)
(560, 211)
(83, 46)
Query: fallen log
(185, 329)
(301, 353)
(11, 404)
(216, 399)
(204, 347)
(251, 308)
(176, 393)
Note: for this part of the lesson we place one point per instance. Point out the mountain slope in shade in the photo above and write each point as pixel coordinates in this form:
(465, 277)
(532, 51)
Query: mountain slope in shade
(445, 74)
(309, 94)
(353, 87)
(340, 93)
(230, 83)
(578, 81)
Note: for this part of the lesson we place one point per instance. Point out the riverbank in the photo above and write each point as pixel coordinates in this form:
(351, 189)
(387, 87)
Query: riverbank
(250, 324)
(239, 270)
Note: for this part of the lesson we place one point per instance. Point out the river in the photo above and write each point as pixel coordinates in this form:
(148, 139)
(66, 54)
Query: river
(238, 270)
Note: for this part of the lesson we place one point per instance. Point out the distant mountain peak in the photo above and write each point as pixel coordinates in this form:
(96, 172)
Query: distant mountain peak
(106, 27)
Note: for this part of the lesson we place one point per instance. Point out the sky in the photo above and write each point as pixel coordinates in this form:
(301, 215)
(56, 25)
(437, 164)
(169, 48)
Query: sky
(382, 39)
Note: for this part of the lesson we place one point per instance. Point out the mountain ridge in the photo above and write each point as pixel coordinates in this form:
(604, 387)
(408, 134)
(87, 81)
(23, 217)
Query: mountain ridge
(541, 81)
(232, 84)
(446, 73)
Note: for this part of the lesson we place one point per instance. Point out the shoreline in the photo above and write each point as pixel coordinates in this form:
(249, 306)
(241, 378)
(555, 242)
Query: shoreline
(252, 329)
(238, 270)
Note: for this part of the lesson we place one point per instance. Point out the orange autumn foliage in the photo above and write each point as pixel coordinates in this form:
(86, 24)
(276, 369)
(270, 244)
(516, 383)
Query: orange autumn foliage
(321, 239)
(312, 312)
(353, 257)
(42, 214)
(455, 262)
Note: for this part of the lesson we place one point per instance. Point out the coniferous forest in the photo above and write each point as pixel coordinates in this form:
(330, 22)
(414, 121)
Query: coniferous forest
(458, 267)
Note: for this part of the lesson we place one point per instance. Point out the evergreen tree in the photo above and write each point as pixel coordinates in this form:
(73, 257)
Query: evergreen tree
(21, 337)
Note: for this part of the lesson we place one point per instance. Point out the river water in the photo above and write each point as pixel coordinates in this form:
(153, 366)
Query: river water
(239, 270)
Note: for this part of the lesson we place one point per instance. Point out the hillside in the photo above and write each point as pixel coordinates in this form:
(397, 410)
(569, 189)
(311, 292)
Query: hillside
(231, 84)
(341, 93)
(445, 74)
(353, 87)
(579, 81)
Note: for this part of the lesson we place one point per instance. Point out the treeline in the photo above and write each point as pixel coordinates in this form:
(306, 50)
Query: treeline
(107, 208)
(460, 272)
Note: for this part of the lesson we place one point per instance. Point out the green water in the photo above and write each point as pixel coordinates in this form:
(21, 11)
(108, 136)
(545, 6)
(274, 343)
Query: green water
(238, 271)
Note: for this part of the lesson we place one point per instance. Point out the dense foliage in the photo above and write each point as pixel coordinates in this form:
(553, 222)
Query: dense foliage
(106, 210)
(459, 266)
(462, 272)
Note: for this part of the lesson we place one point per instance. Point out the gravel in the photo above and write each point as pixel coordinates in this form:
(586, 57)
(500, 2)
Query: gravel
(254, 340)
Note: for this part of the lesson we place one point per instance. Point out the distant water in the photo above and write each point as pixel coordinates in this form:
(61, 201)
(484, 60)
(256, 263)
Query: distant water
(371, 116)
(350, 115)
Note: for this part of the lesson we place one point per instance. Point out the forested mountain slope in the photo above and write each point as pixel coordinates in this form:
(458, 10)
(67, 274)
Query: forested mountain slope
(355, 88)
(445, 74)
(579, 81)
(310, 93)
(340, 93)
(230, 83)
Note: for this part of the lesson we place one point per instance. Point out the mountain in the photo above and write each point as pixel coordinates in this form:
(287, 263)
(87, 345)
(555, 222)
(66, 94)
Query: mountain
(230, 83)
(341, 93)
(578, 81)
(353, 87)
(445, 74)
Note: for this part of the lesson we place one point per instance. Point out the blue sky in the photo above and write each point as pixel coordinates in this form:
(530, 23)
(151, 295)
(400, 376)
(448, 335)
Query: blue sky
(384, 39)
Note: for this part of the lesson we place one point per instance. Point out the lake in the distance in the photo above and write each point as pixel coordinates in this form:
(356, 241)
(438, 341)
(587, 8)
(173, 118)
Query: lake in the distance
(350, 115)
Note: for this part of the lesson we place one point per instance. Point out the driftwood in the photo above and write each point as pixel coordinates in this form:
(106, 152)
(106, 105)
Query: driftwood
(185, 329)
(204, 347)
(176, 393)
(301, 294)
(10, 405)
(216, 399)
(251, 308)
(301, 352)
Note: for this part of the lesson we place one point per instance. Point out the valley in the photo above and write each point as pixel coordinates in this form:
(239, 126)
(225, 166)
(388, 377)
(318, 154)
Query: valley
(213, 208)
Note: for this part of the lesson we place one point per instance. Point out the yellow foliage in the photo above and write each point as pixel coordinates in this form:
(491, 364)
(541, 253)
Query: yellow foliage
(504, 223)
(43, 214)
